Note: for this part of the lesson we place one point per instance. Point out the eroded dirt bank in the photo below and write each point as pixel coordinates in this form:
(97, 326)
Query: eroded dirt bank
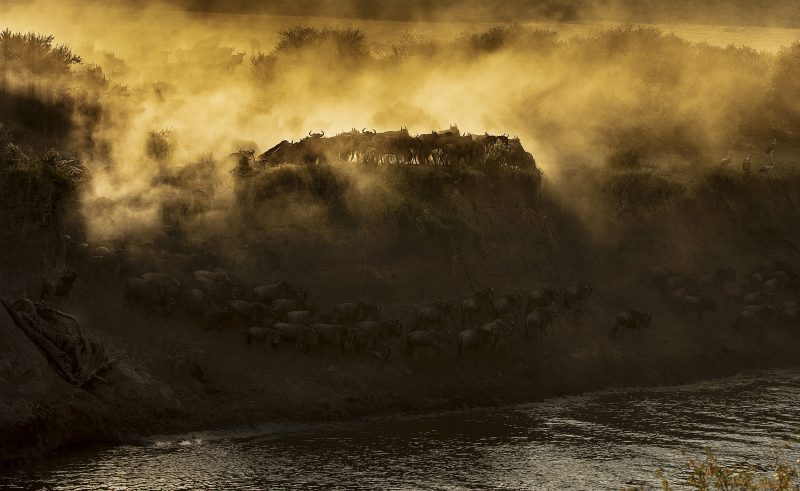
(178, 374)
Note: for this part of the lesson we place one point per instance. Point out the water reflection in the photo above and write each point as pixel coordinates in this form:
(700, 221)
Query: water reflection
(600, 441)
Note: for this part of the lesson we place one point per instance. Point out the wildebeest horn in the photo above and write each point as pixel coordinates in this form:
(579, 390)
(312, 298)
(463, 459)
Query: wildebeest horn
(309, 132)
(323, 132)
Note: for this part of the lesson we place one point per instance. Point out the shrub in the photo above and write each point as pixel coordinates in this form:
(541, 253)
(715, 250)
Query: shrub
(711, 475)
(160, 145)
(35, 54)
(305, 45)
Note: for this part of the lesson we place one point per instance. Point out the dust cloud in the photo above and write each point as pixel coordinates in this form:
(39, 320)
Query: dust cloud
(174, 88)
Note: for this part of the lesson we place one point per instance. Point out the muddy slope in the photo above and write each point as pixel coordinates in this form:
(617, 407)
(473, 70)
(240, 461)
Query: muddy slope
(175, 375)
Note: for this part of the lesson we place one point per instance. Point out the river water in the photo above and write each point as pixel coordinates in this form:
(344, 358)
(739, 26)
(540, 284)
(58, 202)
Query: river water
(603, 440)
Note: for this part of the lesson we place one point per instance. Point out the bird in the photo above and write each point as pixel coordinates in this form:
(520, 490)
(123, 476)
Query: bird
(766, 167)
(771, 149)
(746, 164)
(725, 160)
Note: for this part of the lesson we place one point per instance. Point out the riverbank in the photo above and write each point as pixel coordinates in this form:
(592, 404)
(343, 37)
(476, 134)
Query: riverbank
(616, 439)
(176, 375)
(173, 376)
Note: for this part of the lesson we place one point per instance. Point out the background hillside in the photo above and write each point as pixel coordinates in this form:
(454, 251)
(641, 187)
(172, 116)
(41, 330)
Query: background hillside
(758, 12)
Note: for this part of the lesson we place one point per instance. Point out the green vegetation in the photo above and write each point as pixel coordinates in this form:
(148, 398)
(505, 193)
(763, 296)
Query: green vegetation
(301, 45)
(710, 474)
(33, 189)
(34, 54)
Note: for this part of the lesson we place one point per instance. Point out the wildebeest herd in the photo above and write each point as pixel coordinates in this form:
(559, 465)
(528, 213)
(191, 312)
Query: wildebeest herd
(447, 147)
(175, 276)
(178, 275)
(768, 297)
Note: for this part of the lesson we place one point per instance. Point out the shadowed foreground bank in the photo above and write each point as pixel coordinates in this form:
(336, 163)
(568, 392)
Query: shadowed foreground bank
(182, 373)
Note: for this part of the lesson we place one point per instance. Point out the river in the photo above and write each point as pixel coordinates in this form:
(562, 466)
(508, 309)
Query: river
(602, 440)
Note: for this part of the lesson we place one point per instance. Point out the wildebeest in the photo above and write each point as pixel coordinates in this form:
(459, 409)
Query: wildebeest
(274, 291)
(59, 287)
(758, 298)
(280, 153)
(78, 253)
(698, 305)
(538, 321)
(215, 316)
(271, 335)
(382, 328)
(130, 267)
(791, 317)
(774, 285)
(631, 320)
(217, 284)
(677, 281)
(360, 338)
(304, 337)
(196, 303)
(282, 307)
(439, 314)
(541, 298)
(756, 280)
(426, 338)
(508, 305)
(755, 316)
(333, 334)
(149, 294)
(718, 278)
(656, 277)
(475, 339)
(576, 295)
(300, 317)
(500, 329)
(677, 295)
(171, 285)
(477, 308)
(242, 312)
(104, 263)
(352, 312)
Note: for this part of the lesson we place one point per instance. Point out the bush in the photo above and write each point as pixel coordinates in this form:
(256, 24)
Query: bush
(160, 145)
(35, 189)
(711, 475)
(306, 45)
(512, 37)
(34, 54)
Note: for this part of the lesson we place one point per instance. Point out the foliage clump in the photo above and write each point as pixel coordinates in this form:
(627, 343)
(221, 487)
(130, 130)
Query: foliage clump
(34, 54)
(160, 144)
(303, 45)
(710, 474)
(34, 188)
